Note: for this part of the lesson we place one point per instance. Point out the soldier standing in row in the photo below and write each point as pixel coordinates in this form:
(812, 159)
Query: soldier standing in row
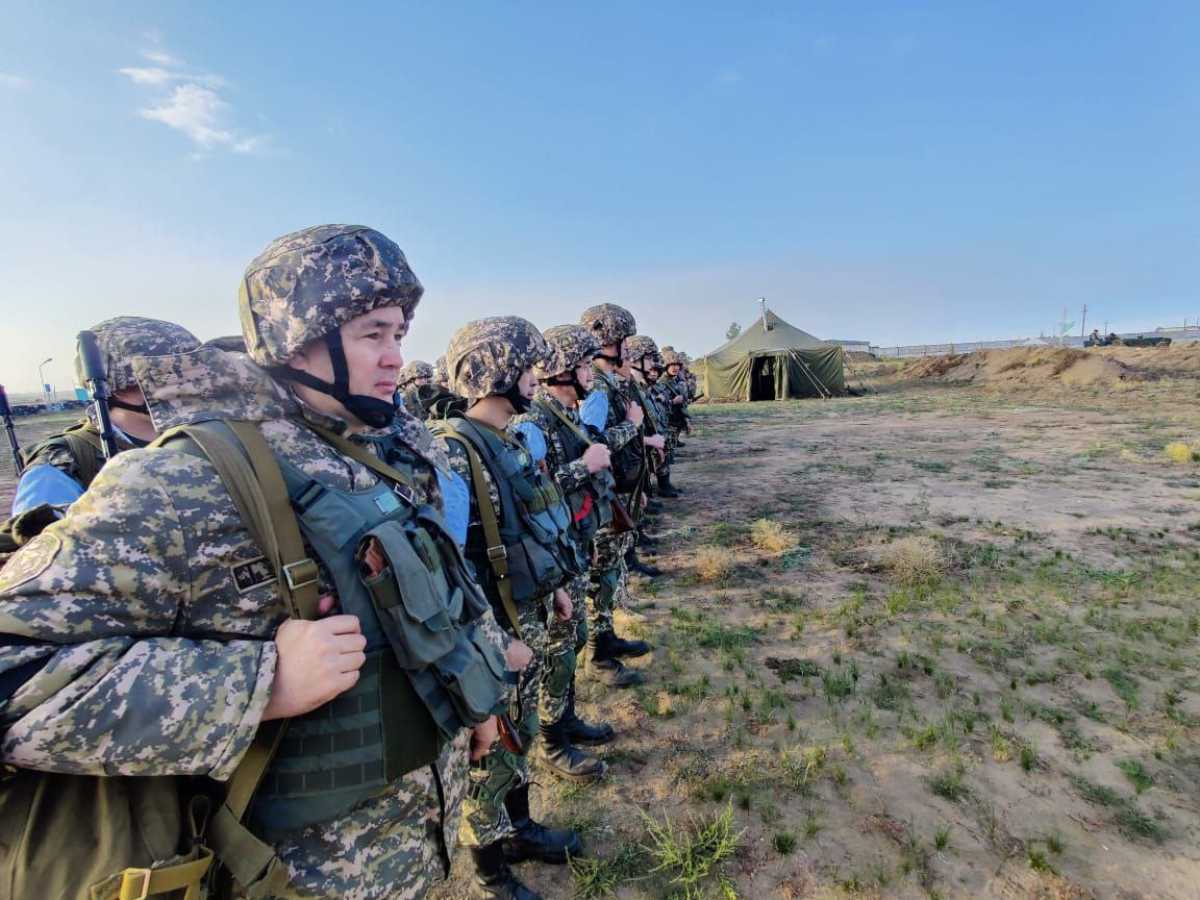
(583, 472)
(147, 635)
(413, 376)
(59, 469)
(610, 413)
(520, 543)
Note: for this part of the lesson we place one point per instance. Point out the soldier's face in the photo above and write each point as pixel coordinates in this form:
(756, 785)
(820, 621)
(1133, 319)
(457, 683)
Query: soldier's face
(373, 358)
(585, 375)
(527, 384)
(673, 369)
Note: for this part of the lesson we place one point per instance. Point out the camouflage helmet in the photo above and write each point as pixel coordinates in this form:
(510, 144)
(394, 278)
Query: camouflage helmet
(414, 371)
(307, 284)
(610, 323)
(670, 357)
(123, 338)
(569, 346)
(230, 343)
(488, 356)
(640, 346)
(440, 374)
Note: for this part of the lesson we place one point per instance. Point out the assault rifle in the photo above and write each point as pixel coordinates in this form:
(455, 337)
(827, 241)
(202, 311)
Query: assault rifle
(96, 376)
(6, 415)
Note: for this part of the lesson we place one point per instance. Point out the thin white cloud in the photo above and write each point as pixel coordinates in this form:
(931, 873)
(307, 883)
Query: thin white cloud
(194, 110)
(14, 82)
(158, 56)
(191, 103)
(148, 76)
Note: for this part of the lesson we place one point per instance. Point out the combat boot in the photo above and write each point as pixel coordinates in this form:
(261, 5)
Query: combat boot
(666, 489)
(612, 646)
(564, 758)
(636, 565)
(534, 840)
(609, 669)
(493, 877)
(644, 540)
(653, 507)
(581, 732)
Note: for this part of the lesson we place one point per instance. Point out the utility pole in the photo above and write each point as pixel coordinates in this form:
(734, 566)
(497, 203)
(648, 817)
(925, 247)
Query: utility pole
(42, 380)
(1083, 320)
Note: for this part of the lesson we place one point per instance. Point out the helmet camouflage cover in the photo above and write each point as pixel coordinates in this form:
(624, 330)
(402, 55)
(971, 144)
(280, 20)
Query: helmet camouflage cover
(670, 357)
(640, 346)
(440, 375)
(413, 371)
(488, 356)
(123, 338)
(310, 282)
(610, 323)
(569, 346)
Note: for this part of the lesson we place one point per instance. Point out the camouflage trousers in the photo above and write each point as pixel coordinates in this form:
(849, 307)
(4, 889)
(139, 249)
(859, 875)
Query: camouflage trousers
(485, 819)
(387, 847)
(607, 578)
(565, 640)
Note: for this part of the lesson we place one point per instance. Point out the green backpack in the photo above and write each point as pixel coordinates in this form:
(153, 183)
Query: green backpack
(64, 837)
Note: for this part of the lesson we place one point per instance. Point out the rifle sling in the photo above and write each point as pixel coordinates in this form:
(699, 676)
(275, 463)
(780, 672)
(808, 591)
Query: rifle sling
(496, 554)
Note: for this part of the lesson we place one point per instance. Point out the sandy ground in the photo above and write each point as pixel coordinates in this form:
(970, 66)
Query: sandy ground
(971, 671)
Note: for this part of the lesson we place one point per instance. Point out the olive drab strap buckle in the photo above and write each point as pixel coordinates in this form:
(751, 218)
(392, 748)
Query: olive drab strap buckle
(497, 554)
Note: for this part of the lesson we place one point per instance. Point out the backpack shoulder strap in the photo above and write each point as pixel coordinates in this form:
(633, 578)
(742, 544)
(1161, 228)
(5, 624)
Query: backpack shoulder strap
(497, 555)
(251, 474)
(566, 420)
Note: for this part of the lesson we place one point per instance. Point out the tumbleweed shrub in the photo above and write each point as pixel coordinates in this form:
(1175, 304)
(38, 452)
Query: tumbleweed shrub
(714, 563)
(771, 537)
(1178, 451)
(914, 560)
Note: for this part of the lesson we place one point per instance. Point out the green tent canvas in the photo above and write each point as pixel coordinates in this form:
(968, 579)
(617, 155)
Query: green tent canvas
(772, 360)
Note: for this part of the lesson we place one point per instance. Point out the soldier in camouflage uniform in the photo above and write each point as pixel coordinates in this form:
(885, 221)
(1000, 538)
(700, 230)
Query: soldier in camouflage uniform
(491, 364)
(142, 635)
(610, 412)
(413, 376)
(678, 391)
(646, 365)
(59, 469)
(583, 471)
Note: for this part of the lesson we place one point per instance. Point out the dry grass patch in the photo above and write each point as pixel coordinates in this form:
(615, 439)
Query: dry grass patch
(914, 560)
(771, 537)
(714, 563)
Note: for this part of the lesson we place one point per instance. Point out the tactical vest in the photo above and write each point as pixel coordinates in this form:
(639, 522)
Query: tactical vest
(591, 503)
(627, 461)
(430, 671)
(531, 552)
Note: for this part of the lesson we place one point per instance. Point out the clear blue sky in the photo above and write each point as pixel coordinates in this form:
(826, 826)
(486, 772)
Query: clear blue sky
(894, 172)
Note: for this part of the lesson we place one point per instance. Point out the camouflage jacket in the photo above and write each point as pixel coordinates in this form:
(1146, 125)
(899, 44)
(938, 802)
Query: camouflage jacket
(571, 474)
(146, 649)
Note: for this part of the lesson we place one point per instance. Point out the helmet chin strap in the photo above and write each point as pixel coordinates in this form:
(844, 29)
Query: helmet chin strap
(513, 395)
(614, 360)
(132, 407)
(371, 411)
(572, 382)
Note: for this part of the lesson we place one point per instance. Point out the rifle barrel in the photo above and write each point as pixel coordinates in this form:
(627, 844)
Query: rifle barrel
(96, 374)
(14, 445)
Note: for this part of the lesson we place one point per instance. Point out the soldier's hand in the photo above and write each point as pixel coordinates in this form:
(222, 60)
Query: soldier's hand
(633, 413)
(657, 441)
(483, 736)
(678, 401)
(597, 457)
(518, 655)
(562, 605)
(316, 661)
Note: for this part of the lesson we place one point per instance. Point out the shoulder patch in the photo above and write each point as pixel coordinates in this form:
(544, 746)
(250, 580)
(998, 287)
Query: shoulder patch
(251, 574)
(30, 561)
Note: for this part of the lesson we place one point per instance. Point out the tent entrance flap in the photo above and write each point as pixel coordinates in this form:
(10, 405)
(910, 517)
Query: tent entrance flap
(764, 371)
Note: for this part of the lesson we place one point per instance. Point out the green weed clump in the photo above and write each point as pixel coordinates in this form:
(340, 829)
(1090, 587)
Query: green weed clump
(686, 855)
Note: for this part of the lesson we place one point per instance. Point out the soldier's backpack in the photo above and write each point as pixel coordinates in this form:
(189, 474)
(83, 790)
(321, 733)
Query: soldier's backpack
(82, 837)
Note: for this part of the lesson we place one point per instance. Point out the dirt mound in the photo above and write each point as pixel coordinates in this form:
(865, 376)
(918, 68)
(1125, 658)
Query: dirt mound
(1030, 366)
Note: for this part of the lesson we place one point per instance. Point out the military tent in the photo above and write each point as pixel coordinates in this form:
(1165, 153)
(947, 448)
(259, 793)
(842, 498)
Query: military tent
(772, 360)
